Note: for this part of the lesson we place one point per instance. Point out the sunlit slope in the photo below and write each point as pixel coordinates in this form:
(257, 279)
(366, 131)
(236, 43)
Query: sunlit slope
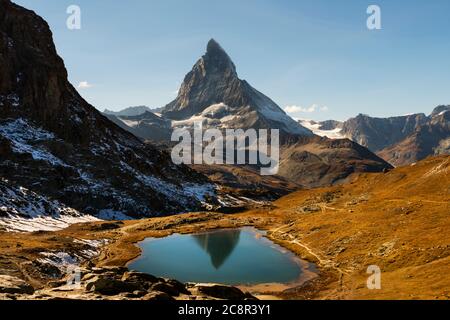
(399, 221)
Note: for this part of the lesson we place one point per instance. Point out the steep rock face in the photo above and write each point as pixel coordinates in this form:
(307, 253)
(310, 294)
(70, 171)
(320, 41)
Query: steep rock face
(377, 133)
(213, 92)
(431, 138)
(54, 142)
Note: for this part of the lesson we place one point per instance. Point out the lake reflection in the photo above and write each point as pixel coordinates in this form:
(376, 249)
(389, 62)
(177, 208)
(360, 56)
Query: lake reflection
(235, 256)
(219, 248)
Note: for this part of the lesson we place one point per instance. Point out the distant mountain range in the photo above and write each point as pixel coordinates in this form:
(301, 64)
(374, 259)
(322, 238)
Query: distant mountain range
(146, 125)
(129, 112)
(399, 140)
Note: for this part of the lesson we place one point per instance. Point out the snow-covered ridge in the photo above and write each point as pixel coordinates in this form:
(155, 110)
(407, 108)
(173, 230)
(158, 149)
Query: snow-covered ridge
(221, 116)
(26, 211)
(315, 128)
(130, 123)
(217, 115)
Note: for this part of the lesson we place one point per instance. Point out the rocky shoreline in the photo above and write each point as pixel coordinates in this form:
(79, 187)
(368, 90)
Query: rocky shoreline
(104, 276)
(117, 283)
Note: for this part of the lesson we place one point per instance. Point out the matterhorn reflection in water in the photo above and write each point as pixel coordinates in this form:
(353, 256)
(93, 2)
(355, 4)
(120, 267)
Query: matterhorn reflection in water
(218, 245)
(235, 256)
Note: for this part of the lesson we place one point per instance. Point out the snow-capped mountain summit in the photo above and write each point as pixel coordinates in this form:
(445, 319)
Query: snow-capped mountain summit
(213, 92)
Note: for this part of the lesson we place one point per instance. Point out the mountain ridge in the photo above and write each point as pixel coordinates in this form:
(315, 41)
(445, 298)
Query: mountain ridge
(400, 140)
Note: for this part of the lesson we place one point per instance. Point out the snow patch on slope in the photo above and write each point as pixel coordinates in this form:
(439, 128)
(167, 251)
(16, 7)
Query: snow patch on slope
(25, 211)
(221, 116)
(64, 260)
(271, 111)
(183, 193)
(25, 137)
(315, 128)
(212, 115)
(130, 123)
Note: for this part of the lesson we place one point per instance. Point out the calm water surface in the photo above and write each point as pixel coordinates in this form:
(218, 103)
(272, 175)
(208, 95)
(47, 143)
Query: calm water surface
(236, 256)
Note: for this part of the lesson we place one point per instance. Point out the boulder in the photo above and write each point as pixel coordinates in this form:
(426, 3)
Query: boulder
(166, 288)
(222, 292)
(143, 279)
(181, 287)
(110, 286)
(56, 284)
(14, 285)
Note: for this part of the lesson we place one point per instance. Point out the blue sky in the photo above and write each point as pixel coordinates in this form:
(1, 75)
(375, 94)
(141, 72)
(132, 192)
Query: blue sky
(316, 55)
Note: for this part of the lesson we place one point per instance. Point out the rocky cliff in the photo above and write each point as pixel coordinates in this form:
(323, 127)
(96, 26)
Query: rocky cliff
(428, 139)
(53, 142)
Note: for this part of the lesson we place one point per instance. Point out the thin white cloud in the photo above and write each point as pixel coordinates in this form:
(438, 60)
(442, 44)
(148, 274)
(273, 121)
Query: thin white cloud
(299, 109)
(84, 85)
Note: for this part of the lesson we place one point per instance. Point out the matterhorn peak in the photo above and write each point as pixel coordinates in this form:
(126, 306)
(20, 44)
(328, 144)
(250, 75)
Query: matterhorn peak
(214, 83)
(216, 58)
(214, 47)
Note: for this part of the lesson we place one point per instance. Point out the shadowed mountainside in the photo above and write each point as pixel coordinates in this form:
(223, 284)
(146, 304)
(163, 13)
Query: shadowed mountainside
(53, 142)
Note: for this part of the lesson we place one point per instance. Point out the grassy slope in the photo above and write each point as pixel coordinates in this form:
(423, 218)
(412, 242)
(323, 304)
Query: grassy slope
(399, 221)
